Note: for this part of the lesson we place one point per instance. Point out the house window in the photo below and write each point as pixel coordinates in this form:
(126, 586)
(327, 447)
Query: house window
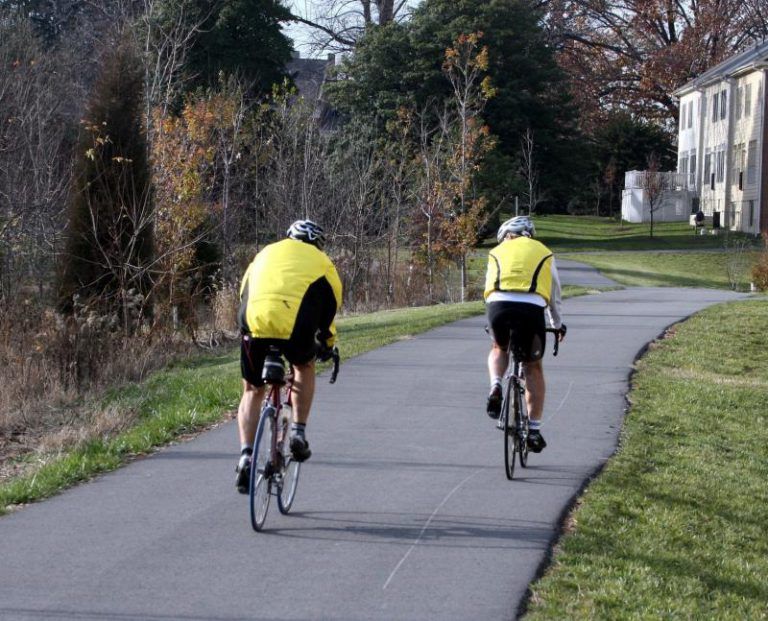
(690, 114)
(739, 99)
(707, 168)
(715, 106)
(720, 166)
(682, 166)
(723, 106)
(752, 163)
(736, 164)
(692, 169)
(682, 116)
(748, 100)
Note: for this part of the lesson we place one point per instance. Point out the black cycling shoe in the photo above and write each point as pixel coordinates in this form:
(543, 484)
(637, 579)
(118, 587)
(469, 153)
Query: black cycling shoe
(300, 448)
(535, 442)
(243, 480)
(493, 406)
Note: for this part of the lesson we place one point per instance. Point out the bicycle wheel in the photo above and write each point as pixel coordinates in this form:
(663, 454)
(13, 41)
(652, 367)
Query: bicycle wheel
(521, 426)
(510, 437)
(290, 469)
(261, 477)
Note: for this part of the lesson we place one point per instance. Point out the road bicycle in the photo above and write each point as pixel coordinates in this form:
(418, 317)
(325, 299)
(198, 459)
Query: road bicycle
(274, 471)
(513, 420)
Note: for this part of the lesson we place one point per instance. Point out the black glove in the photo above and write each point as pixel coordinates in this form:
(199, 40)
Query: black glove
(324, 353)
(561, 331)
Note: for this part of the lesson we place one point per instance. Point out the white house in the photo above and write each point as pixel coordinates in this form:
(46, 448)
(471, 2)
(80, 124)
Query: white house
(722, 141)
(673, 203)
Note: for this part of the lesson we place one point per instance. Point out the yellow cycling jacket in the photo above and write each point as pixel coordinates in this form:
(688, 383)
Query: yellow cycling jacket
(277, 281)
(520, 264)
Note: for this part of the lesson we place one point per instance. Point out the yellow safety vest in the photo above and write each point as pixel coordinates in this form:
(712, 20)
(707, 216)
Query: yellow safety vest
(275, 283)
(520, 264)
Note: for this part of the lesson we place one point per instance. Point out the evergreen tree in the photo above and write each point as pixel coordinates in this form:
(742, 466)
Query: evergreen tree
(110, 236)
(237, 37)
(402, 65)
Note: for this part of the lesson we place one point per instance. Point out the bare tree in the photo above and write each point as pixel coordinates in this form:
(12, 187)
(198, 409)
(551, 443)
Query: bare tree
(38, 91)
(529, 171)
(654, 184)
(339, 24)
(166, 38)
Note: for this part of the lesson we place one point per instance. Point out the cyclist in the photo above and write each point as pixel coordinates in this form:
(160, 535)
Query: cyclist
(289, 297)
(521, 282)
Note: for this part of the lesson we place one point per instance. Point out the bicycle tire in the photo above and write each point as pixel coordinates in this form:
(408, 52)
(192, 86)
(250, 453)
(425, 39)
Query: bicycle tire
(510, 436)
(521, 427)
(290, 471)
(261, 478)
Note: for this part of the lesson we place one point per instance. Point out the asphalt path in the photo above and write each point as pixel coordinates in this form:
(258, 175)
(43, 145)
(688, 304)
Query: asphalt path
(403, 512)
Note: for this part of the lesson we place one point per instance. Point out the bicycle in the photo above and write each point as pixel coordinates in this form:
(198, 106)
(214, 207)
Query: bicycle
(273, 470)
(516, 429)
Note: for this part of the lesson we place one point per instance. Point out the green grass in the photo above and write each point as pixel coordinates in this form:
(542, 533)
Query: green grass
(192, 395)
(590, 233)
(675, 526)
(666, 269)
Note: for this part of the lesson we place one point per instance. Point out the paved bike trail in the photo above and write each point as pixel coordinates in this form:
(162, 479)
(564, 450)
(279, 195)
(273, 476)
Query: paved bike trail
(403, 513)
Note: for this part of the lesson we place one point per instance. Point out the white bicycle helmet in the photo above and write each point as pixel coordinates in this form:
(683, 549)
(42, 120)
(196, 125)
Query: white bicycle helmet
(308, 232)
(519, 225)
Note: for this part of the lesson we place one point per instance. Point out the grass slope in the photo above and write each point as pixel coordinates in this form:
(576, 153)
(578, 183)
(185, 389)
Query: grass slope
(675, 526)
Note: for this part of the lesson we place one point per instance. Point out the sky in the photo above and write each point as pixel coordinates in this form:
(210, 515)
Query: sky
(307, 8)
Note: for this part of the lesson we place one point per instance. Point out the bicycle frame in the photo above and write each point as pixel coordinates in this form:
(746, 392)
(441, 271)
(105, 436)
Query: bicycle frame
(278, 473)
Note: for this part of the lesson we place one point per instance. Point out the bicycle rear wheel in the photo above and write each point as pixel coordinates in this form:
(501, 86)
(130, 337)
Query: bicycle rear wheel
(521, 426)
(510, 437)
(261, 477)
(290, 470)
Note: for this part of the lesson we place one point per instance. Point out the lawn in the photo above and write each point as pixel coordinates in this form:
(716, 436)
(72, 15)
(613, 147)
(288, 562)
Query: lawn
(719, 270)
(675, 526)
(590, 233)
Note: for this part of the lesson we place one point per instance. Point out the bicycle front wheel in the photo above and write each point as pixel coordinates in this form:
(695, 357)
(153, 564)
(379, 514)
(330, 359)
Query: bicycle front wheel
(510, 437)
(521, 426)
(290, 471)
(261, 477)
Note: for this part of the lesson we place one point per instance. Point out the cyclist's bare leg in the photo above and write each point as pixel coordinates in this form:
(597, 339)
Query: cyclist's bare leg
(248, 412)
(303, 390)
(498, 359)
(534, 388)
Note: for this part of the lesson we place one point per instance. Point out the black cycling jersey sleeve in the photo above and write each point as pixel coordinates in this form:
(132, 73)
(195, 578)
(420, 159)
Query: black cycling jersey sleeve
(322, 300)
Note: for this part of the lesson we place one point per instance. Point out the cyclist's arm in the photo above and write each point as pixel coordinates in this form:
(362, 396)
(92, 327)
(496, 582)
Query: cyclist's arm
(331, 305)
(555, 299)
(492, 275)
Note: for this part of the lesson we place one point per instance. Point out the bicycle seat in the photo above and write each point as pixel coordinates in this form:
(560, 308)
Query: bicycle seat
(274, 367)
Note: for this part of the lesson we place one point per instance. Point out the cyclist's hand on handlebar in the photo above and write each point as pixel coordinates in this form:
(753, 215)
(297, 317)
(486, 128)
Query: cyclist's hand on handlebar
(324, 353)
(561, 331)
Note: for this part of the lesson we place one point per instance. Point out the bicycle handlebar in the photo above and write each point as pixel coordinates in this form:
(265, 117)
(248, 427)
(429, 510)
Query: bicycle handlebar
(336, 359)
(556, 332)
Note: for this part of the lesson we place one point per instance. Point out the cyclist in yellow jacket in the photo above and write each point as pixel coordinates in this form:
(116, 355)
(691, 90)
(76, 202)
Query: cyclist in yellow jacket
(289, 298)
(520, 284)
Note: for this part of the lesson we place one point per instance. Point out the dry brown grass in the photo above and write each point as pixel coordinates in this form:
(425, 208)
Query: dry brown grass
(52, 370)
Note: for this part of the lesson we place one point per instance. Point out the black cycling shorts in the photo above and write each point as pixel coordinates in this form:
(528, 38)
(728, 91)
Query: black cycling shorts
(527, 325)
(299, 349)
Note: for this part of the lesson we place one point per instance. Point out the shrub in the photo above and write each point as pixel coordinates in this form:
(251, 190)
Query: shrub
(760, 268)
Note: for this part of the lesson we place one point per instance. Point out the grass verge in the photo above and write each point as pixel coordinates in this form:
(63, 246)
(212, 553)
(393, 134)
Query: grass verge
(193, 395)
(719, 270)
(674, 527)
